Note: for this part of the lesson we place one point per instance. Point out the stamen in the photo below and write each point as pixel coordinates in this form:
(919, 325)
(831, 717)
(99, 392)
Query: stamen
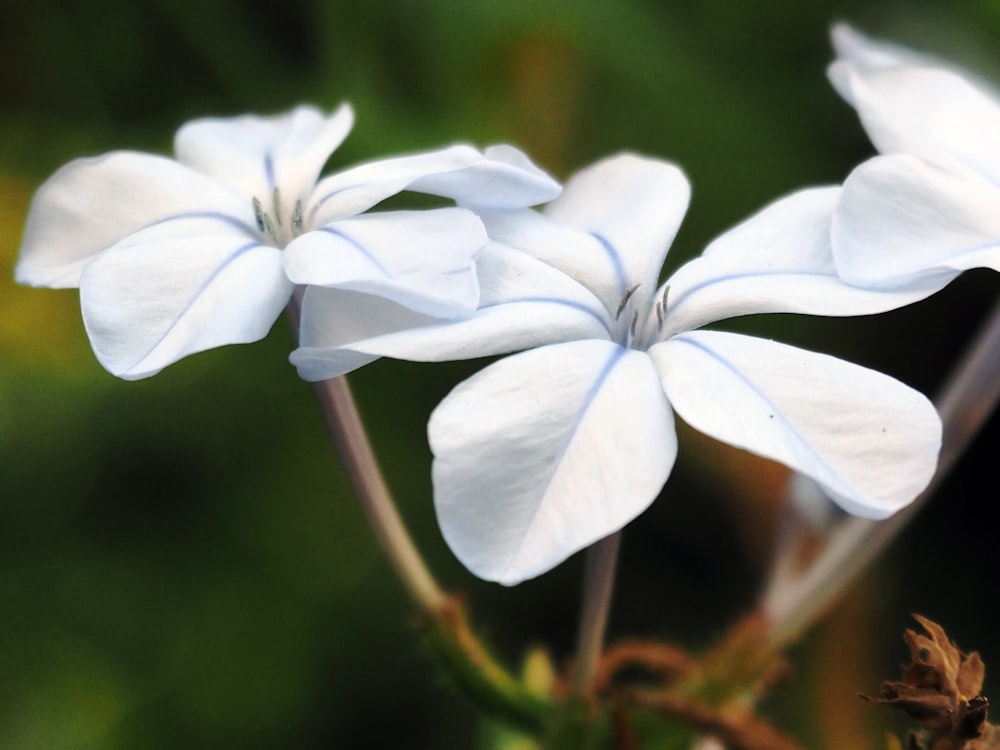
(270, 228)
(661, 308)
(258, 212)
(297, 219)
(628, 295)
(631, 328)
(276, 199)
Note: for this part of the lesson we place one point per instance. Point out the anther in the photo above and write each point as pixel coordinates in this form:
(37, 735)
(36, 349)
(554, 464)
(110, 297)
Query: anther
(270, 227)
(276, 199)
(628, 295)
(297, 219)
(661, 308)
(258, 212)
(631, 328)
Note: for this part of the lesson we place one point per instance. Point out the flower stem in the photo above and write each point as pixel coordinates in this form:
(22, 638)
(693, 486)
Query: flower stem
(446, 625)
(444, 620)
(599, 582)
(965, 402)
(344, 422)
(351, 440)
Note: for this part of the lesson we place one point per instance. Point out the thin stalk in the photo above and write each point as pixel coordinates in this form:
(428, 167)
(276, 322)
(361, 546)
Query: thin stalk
(347, 430)
(964, 403)
(445, 622)
(599, 584)
(342, 418)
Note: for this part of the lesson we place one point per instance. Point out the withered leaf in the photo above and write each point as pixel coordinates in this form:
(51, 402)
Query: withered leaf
(940, 690)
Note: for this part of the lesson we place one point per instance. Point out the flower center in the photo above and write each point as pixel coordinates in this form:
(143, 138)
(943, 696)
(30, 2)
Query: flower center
(634, 327)
(273, 225)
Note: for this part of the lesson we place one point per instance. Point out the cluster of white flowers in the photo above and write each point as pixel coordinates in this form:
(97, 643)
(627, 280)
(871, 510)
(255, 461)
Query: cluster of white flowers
(177, 256)
(928, 208)
(571, 437)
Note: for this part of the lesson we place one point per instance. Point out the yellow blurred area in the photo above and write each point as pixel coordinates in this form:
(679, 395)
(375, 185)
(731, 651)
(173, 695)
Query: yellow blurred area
(76, 702)
(38, 327)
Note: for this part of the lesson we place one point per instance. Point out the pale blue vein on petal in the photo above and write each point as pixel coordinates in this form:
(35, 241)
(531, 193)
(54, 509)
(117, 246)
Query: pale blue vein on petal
(770, 404)
(318, 203)
(602, 376)
(941, 263)
(598, 316)
(269, 171)
(226, 218)
(202, 287)
(616, 260)
(673, 303)
(354, 243)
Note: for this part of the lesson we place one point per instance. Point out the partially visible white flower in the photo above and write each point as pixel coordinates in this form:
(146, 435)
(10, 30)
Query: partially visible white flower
(546, 451)
(930, 206)
(176, 256)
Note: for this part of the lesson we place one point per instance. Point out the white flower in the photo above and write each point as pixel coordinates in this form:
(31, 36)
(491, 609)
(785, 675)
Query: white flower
(929, 208)
(546, 451)
(176, 256)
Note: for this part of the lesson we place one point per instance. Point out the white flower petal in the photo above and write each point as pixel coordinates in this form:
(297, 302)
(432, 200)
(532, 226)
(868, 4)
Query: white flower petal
(910, 103)
(343, 330)
(161, 295)
(90, 204)
(501, 177)
(936, 114)
(901, 218)
(634, 207)
(253, 154)
(864, 54)
(869, 440)
(524, 303)
(543, 453)
(504, 178)
(779, 260)
(357, 189)
(337, 325)
(577, 254)
(420, 259)
(868, 54)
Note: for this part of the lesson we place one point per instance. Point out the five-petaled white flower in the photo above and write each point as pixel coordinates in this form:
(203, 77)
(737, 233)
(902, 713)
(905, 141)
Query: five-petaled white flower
(546, 451)
(176, 256)
(929, 207)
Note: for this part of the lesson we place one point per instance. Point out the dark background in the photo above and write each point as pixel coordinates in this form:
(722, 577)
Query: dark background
(181, 563)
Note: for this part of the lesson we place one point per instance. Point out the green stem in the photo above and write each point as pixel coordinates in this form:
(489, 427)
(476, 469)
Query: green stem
(472, 667)
(599, 583)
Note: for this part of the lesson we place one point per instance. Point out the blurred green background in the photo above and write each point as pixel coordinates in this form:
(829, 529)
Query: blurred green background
(181, 564)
